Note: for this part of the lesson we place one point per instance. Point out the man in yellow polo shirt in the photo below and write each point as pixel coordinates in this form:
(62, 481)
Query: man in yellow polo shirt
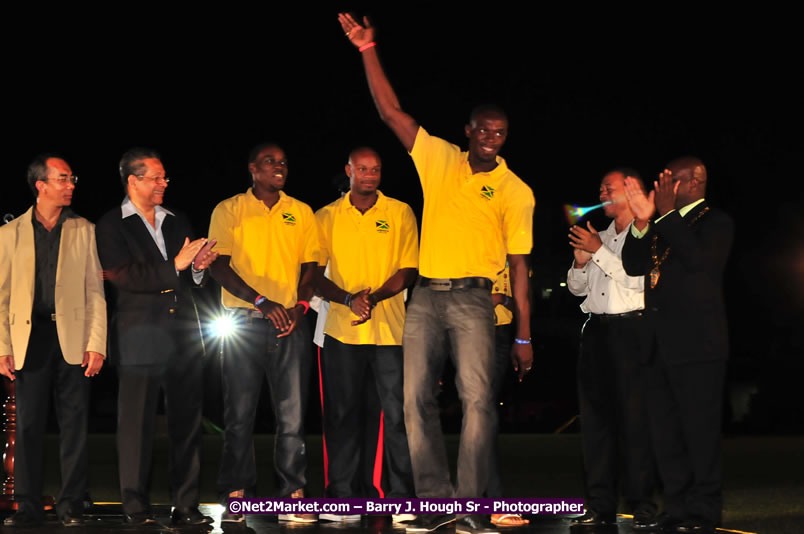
(476, 214)
(371, 242)
(268, 245)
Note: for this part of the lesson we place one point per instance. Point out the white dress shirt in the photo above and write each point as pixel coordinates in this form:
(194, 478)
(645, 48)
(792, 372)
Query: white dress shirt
(128, 209)
(608, 289)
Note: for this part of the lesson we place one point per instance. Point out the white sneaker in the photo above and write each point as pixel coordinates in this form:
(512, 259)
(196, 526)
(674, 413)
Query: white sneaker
(339, 517)
(402, 518)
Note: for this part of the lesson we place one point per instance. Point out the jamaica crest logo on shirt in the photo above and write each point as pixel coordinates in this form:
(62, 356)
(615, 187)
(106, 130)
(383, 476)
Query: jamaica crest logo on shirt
(382, 226)
(487, 192)
(289, 219)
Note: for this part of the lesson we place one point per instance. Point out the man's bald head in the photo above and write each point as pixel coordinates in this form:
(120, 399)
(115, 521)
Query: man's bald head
(691, 173)
(364, 170)
(362, 151)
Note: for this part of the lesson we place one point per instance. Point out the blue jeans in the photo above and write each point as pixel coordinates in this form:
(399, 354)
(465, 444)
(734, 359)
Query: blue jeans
(467, 317)
(286, 363)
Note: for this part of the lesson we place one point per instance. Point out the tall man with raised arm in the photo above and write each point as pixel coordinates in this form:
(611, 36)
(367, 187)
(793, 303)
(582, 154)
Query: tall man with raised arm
(371, 242)
(148, 258)
(682, 254)
(52, 336)
(269, 248)
(476, 212)
(610, 383)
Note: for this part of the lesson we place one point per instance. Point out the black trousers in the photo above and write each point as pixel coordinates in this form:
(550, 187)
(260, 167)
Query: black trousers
(45, 373)
(614, 418)
(345, 371)
(181, 380)
(686, 410)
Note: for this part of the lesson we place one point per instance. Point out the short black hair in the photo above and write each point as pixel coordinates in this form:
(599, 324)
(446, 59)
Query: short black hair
(37, 170)
(259, 147)
(131, 162)
(487, 109)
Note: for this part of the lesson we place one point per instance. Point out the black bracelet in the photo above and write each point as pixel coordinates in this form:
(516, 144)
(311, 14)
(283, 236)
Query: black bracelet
(348, 300)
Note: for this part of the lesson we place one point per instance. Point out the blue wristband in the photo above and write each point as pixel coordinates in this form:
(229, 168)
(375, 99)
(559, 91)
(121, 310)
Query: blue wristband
(259, 300)
(522, 341)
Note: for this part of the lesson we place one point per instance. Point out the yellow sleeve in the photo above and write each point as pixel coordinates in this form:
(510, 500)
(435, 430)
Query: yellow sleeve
(431, 156)
(220, 227)
(323, 220)
(409, 255)
(312, 243)
(518, 221)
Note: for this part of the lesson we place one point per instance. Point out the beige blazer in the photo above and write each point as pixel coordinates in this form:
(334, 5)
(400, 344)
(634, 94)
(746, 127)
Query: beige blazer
(80, 303)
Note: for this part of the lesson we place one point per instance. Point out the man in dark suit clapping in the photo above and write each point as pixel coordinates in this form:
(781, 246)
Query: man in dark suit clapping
(148, 257)
(682, 252)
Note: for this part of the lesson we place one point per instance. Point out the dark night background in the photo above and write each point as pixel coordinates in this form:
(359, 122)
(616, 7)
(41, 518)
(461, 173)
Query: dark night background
(204, 86)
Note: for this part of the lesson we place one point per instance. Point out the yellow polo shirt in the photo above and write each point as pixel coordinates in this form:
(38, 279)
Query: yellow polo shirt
(365, 250)
(502, 285)
(267, 246)
(470, 221)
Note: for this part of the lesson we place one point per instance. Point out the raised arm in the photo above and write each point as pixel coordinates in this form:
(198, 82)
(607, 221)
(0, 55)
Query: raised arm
(403, 125)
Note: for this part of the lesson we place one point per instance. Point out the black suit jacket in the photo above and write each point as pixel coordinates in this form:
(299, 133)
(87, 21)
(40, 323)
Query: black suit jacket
(687, 305)
(150, 302)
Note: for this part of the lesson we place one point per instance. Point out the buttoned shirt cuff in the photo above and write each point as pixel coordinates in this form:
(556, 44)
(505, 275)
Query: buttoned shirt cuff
(198, 277)
(605, 259)
(578, 279)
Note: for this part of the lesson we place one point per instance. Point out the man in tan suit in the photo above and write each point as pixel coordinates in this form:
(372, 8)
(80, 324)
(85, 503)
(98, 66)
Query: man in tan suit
(52, 335)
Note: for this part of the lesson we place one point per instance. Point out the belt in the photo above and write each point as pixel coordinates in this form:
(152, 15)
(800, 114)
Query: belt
(248, 314)
(604, 317)
(448, 284)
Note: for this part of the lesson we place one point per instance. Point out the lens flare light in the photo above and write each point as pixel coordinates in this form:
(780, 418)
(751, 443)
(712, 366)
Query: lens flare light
(574, 212)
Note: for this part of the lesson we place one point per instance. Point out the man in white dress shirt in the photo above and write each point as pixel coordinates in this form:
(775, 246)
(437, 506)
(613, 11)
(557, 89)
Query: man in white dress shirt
(610, 395)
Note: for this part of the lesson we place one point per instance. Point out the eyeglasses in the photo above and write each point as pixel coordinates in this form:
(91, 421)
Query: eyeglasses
(165, 179)
(63, 179)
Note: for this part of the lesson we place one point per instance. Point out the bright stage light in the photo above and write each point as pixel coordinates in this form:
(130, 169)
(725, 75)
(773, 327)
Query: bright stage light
(222, 327)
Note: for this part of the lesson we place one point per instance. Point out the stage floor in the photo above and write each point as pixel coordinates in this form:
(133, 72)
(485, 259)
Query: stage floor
(763, 485)
(107, 518)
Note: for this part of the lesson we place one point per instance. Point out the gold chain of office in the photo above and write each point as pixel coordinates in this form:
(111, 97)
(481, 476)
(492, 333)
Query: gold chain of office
(654, 253)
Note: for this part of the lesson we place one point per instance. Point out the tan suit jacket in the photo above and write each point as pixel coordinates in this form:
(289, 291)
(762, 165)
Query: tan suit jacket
(80, 303)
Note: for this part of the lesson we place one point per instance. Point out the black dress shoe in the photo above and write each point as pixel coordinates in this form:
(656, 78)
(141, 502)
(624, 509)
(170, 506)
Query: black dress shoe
(645, 521)
(140, 518)
(655, 523)
(228, 517)
(429, 523)
(23, 518)
(594, 519)
(189, 516)
(72, 520)
(696, 526)
(474, 524)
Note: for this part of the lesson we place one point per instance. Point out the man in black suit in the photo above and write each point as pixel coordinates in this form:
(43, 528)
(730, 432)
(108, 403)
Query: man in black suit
(148, 257)
(683, 253)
